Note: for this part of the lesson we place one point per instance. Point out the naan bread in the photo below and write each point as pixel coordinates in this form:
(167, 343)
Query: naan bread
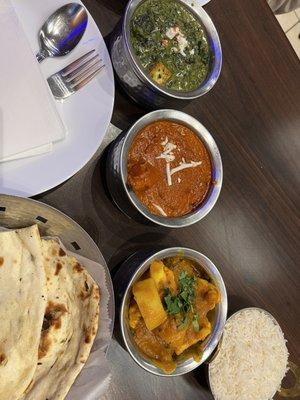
(70, 324)
(22, 308)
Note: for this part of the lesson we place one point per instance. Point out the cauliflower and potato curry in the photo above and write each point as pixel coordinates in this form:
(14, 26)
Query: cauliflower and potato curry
(168, 311)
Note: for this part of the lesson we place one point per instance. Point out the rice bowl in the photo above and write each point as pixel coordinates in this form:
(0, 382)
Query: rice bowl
(252, 358)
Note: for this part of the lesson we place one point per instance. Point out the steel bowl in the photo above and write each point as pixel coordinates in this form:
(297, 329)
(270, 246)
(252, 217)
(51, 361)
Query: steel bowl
(138, 264)
(134, 78)
(116, 171)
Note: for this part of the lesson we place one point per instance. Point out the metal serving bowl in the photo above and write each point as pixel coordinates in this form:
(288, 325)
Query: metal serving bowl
(138, 264)
(134, 78)
(116, 171)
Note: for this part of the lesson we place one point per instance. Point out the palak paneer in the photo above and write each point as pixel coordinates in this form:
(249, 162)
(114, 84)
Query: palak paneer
(170, 43)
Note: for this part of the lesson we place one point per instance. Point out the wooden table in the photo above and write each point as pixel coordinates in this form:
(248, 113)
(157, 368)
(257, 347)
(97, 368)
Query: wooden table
(252, 234)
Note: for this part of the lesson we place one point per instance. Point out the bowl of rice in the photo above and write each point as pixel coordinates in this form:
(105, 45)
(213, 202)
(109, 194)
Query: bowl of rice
(252, 357)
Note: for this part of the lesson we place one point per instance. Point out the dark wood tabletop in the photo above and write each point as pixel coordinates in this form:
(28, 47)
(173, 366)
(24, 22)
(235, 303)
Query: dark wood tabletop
(252, 234)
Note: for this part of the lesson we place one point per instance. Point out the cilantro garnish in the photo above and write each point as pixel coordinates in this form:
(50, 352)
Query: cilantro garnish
(183, 324)
(181, 304)
(173, 303)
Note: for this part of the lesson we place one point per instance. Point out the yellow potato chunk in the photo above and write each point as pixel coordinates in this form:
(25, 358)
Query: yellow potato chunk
(192, 337)
(180, 347)
(147, 297)
(160, 73)
(163, 277)
(180, 340)
(157, 273)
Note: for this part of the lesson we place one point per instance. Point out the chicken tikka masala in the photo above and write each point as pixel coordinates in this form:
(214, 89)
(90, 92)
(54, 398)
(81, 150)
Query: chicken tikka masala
(169, 169)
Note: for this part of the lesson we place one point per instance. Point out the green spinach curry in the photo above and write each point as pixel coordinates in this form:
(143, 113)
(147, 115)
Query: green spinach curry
(170, 44)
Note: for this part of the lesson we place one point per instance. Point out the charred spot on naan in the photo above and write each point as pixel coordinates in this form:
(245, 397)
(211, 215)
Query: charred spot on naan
(45, 344)
(84, 295)
(87, 334)
(97, 293)
(52, 318)
(1, 261)
(91, 331)
(94, 329)
(78, 268)
(54, 252)
(53, 314)
(61, 252)
(89, 292)
(58, 268)
(82, 358)
(3, 359)
(88, 338)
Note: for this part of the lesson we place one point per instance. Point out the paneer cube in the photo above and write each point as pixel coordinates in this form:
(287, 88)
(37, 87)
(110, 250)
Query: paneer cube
(147, 297)
(160, 73)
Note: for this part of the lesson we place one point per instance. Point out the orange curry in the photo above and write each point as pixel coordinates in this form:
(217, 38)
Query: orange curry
(169, 311)
(169, 169)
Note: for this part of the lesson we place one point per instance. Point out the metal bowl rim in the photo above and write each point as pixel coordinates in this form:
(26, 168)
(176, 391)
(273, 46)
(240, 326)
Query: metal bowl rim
(223, 305)
(205, 136)
(211, 33)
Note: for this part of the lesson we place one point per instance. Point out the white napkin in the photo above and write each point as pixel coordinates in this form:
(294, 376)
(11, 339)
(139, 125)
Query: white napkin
(29, 121)
(46, 148)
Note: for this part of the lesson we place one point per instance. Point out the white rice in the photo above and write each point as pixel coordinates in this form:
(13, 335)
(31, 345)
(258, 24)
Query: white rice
(252, 360)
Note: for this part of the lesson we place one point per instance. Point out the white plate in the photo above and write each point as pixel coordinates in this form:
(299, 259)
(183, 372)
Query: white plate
(203, 2)
(86, 114)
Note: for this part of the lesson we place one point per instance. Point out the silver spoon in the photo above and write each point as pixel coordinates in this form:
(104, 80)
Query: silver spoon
(62, 31)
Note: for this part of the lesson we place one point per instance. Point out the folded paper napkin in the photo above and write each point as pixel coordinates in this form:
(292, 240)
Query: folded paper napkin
(29, 121)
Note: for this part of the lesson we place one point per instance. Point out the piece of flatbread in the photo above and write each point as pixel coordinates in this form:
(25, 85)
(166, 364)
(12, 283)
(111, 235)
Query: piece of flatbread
(22, 308)
(70, 324)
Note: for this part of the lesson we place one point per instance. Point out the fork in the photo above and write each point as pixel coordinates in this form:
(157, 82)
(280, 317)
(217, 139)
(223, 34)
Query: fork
(74, 76)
